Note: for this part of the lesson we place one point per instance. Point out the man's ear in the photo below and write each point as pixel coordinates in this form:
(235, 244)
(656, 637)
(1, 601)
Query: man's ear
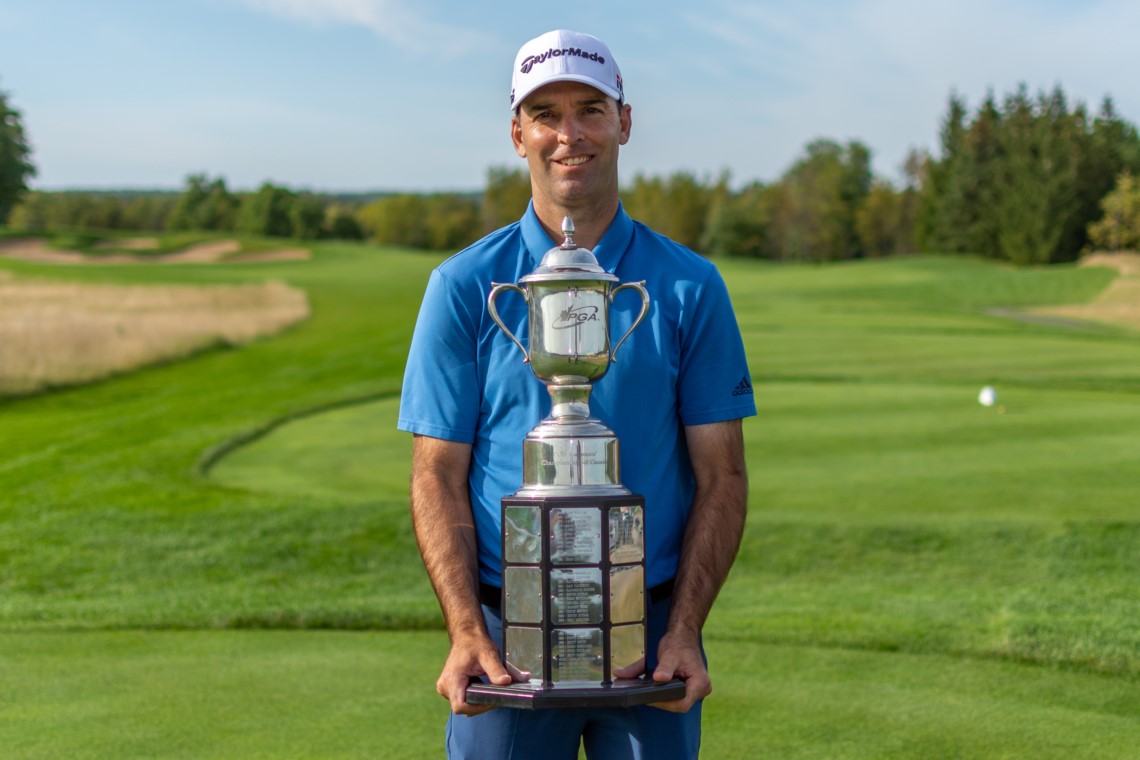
(516, 137)
(625, 118)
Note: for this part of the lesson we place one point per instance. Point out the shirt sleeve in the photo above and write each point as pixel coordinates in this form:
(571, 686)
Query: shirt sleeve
(440, 395)
(714, 384)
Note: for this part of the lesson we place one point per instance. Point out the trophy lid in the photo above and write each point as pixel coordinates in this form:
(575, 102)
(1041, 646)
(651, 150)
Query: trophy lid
(568, 262)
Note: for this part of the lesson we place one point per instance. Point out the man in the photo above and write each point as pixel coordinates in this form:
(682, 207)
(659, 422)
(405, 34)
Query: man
(674, 399)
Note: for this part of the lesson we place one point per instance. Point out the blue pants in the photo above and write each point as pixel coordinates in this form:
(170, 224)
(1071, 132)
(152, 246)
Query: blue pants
(609, 733)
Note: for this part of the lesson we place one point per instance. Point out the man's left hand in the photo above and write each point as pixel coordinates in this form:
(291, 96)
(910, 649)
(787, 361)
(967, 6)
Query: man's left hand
(679, 656)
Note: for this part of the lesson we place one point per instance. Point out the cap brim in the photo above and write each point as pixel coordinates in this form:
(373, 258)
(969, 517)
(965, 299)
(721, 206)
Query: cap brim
(610, 91)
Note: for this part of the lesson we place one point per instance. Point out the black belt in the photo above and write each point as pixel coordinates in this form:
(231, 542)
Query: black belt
(493, 596)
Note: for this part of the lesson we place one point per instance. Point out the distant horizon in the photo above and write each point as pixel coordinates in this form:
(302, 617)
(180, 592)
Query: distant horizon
(364, 94)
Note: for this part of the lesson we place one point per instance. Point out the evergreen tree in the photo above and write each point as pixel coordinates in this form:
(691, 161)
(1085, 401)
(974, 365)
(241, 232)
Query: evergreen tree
(1022, 183)
(15, 158)
(944, 209)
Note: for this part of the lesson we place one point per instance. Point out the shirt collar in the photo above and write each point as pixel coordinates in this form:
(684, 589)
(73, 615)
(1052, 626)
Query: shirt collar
(608, 251)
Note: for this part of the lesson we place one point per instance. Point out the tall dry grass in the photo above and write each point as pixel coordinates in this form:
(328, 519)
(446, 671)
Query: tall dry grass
(66, 333)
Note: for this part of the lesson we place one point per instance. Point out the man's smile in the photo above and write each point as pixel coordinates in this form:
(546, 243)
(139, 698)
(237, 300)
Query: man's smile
(574, 160)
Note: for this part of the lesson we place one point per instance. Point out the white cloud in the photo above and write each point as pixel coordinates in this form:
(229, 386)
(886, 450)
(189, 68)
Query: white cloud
(881, 70)
(389, 20)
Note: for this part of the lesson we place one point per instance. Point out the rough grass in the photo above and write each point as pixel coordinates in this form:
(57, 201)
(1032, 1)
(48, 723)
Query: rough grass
(56, 334)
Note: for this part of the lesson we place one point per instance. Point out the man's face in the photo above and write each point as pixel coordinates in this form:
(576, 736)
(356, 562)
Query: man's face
(569, 134)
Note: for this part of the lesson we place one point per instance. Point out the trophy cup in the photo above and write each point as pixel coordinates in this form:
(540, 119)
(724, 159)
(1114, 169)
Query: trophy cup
(574, 598)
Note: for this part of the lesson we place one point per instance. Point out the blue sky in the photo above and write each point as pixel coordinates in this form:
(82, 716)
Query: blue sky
(413, 94)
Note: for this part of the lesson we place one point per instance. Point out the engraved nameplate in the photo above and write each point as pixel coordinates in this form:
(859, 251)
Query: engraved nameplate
(571, 462)
(576, 655)
(575, 536)
(576, 595)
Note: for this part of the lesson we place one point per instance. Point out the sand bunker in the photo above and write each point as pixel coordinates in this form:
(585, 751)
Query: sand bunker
(1118, 304)
(67, 333)
(38, 251)
(1125, 262)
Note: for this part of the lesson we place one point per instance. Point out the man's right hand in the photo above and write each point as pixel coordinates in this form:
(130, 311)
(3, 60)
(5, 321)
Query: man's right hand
(471, 656)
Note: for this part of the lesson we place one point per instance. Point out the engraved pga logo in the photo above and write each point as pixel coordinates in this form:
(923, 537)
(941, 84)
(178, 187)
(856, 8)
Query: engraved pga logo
(575, 316)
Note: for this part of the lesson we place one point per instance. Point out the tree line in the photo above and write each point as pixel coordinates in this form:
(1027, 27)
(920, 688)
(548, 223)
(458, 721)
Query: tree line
(1023, 181)
(1028, 180)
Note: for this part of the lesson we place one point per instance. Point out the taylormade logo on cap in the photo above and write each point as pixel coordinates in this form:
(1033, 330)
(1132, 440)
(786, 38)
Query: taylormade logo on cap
(530, 60)
(564, 56)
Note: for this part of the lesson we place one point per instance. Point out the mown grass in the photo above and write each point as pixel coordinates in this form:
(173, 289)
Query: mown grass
(921, 576)
(323, 694)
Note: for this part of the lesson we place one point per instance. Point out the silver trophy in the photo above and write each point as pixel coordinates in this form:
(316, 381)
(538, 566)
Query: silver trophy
(574, 597)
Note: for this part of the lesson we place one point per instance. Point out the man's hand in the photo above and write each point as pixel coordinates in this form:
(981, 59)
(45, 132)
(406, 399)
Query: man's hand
(680, 657)
(470, 657)
(445, 532)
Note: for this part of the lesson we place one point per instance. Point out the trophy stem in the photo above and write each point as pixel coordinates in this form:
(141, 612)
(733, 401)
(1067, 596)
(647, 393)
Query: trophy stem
(569, 401)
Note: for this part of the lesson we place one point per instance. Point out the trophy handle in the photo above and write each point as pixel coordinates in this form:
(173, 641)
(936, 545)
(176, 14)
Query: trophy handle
(496, 288)
(640, 287)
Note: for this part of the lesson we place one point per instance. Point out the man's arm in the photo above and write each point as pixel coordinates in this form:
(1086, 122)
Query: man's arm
(712, 537)
(445, 532)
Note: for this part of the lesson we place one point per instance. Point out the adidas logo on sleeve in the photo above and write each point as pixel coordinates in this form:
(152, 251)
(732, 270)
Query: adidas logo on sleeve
(744, 388)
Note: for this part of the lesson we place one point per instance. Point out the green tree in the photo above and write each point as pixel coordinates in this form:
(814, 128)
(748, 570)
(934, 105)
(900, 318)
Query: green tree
(267, 212)
(677, 206)
(956, 212)
(396, 220)
(452, 221)
(306, 216)
(505, 197)
(1023, 182)
(204, 204)
(878, 220)
(1119, 228)
(15, 157)
(148, 211)
(811, 211)
(1110, 148)
(737, 224)
(341, 223)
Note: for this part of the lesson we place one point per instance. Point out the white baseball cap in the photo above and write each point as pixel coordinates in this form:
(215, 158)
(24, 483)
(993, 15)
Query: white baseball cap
(564, 56)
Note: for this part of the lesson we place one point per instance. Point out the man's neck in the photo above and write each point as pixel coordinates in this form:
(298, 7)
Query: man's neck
(590, 220)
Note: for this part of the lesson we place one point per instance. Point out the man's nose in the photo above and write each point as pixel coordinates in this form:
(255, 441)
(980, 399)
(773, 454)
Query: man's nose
(569, 131)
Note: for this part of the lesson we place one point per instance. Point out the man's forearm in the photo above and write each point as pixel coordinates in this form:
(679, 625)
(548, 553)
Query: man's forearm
(445, 531)
(715, 526)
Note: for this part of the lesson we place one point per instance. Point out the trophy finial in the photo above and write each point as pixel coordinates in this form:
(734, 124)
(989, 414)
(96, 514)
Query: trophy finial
(568, 232)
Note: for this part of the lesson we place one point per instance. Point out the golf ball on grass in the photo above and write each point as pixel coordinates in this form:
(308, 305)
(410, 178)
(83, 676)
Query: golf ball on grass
(987, 396)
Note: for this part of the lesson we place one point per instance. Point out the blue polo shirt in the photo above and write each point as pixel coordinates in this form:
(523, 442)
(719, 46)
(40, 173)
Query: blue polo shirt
(465, 380)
